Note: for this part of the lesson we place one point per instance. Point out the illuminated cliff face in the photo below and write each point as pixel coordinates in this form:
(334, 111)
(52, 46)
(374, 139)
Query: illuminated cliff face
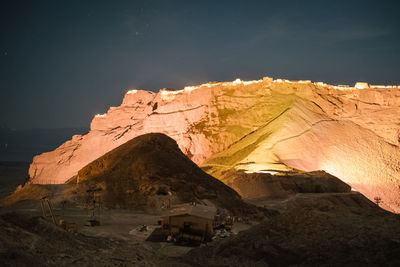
(263, 125)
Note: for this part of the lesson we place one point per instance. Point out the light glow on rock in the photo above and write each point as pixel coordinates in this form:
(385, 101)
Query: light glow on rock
(269, 172)
(133, 91)
(170, 95)
(384, 86)
(361, 85)
(320, 84)
(190, 88)
(237, 81)
(282, 81)
(100, 115)
(251, 82)
(343, 87)
(304, 81)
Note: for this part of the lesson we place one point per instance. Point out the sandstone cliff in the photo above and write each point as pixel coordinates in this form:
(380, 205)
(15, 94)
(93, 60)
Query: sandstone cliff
(259, 126)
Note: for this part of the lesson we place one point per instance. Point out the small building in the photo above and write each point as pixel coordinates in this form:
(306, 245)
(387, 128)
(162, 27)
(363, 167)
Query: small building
(189, 222)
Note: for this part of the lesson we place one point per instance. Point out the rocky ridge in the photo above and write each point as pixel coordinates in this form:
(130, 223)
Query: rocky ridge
(350, 132)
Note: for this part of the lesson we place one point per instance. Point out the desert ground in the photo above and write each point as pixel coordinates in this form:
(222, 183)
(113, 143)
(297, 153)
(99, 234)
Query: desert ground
(311, 229)
(29, 239)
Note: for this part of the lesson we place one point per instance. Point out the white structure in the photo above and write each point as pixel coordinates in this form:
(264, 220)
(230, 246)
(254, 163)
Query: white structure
(361, 85)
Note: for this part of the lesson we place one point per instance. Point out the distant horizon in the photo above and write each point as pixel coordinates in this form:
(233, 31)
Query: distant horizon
(44, 128)
(24, 144)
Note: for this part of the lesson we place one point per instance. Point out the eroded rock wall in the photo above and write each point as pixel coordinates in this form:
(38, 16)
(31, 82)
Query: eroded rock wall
(258, 125)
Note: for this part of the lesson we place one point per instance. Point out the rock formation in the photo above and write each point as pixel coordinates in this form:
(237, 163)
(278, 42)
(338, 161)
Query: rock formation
(259, 126)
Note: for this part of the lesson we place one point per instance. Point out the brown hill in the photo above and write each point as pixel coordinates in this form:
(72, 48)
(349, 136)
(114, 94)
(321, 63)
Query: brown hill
(150, 172)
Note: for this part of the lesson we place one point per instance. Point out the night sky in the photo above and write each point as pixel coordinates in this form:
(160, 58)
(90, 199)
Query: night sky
(61, 62)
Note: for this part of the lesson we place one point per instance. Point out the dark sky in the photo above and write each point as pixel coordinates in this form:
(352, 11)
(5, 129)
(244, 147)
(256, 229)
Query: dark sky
(61, 62)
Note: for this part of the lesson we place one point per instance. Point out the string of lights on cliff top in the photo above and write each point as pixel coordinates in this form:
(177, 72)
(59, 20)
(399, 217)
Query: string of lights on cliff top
(169, 95)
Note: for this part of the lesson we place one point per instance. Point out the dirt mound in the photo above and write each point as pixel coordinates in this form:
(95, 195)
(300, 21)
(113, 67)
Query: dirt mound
(150, 172)
(282, 185)
(332, 231)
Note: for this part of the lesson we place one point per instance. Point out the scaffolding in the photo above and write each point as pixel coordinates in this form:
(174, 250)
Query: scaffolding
(47, 209)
